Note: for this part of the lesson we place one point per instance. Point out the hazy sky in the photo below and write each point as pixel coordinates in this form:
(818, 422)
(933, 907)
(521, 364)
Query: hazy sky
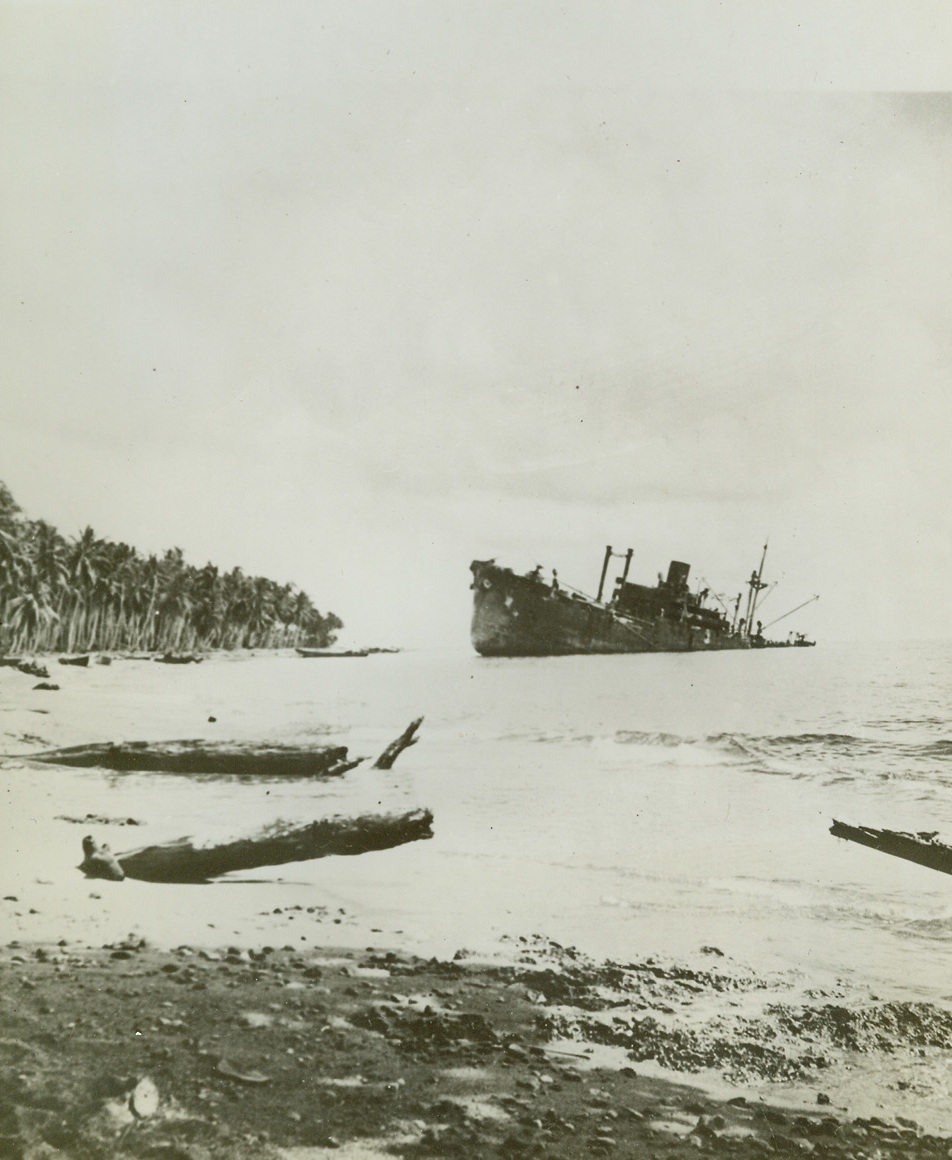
(351, 293)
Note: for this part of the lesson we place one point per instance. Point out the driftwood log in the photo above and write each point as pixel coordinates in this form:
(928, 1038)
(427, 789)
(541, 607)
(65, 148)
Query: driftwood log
(225, 757)
(395, 748)
(920, 847)
(184, 861)
(208, 757)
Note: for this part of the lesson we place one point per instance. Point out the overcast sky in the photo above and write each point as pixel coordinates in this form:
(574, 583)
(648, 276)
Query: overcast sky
(349, 294)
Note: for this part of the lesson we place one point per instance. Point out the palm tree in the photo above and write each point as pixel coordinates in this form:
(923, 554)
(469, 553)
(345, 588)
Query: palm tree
(47, 550)
(175, 600)
(124, 592)
(11, 560)
(9, 511)
(260, 616)
(208, 606)
(83, 560)
(12, 567)
(91, 593)
(30, 614)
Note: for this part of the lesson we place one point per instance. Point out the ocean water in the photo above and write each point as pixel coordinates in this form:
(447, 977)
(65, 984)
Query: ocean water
(627, 805)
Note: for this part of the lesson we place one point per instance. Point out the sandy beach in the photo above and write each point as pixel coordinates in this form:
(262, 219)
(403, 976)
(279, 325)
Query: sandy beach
(269, 1020)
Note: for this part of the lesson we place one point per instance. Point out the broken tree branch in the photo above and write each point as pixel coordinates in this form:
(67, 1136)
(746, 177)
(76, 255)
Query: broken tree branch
(395, 748)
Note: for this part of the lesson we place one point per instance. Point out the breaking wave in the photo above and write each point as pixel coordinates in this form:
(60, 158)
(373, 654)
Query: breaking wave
(829, 758)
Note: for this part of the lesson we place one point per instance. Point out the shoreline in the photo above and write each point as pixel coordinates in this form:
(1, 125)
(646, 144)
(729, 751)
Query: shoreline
(294, 1054)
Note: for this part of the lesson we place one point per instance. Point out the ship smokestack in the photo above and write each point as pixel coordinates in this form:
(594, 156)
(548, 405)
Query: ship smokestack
(678, 574)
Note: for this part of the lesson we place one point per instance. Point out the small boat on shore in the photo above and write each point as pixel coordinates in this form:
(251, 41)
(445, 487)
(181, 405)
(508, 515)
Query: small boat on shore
(314, 653)
(80, 661)
(920, 847)
(179, 659)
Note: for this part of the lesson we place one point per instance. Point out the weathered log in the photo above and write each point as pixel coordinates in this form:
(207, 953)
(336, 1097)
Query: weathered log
(184, 861)
(224, 757)
(920, 847)
(208, 757)
(395, 748)
(99, 861)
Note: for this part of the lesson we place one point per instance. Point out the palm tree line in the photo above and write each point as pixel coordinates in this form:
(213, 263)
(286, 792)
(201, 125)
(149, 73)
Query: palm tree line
(87, 594)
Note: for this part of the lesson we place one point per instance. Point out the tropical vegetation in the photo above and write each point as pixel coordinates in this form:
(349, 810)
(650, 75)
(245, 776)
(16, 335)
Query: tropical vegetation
(87, 594)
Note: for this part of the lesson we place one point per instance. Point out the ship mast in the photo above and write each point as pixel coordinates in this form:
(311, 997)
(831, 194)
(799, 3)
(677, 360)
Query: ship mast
(756, 585)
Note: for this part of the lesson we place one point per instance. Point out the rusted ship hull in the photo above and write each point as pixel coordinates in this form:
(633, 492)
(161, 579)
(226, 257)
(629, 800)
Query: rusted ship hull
(521, 616)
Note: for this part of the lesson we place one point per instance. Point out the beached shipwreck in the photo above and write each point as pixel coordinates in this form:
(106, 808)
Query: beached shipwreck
(528, 616)
(188, 860)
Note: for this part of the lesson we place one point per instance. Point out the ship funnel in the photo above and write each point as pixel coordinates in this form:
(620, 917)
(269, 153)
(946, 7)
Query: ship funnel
(678, 574)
